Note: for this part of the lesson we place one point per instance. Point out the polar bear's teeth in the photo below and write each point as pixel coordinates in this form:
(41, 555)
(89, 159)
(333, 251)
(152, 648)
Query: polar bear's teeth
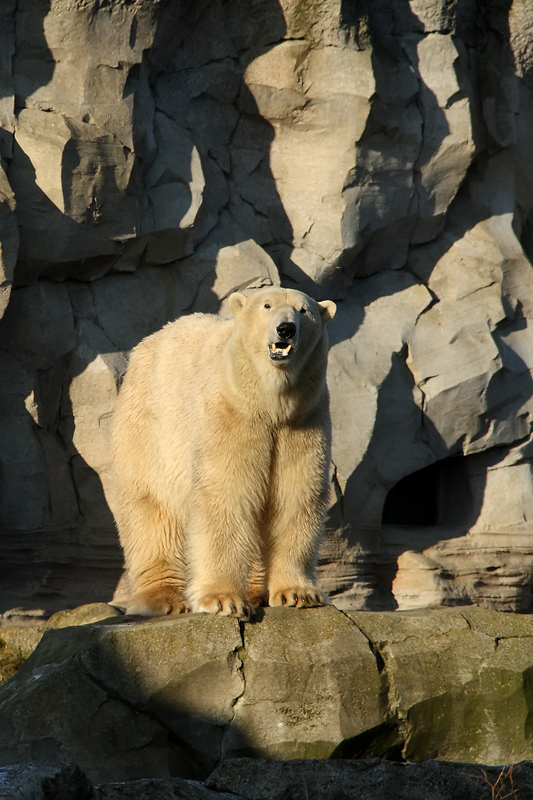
(280, 350)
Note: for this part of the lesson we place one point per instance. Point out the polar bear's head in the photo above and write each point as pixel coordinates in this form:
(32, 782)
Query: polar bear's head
(282, 327)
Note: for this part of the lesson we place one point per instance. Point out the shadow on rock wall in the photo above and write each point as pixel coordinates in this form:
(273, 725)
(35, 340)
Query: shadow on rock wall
(192, 92)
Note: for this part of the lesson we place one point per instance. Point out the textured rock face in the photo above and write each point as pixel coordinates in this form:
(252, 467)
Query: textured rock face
(369, 778)
(258, 779)
(39, 781)
(128, 700)
(155, 157)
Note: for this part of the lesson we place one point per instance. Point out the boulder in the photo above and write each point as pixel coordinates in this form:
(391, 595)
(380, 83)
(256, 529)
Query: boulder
(261, 779)
(371, 779)
(17, 643)
(311, 683)
(84, 615)
(21, 630)
(44, 780)
(177, 696)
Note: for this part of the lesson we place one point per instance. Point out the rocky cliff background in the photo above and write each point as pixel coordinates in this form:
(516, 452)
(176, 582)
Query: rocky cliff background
(157, 156)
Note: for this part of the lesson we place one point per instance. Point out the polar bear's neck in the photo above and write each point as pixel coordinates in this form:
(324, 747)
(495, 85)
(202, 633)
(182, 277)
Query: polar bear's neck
(256, 388)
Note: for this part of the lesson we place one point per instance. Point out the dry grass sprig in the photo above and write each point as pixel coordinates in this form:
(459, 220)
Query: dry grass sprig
(503, 787)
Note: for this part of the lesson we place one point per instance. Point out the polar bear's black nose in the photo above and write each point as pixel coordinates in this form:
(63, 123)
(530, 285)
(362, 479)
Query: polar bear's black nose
(286, 330)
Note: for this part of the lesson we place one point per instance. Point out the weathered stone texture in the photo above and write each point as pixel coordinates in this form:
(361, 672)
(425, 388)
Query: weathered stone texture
(300, 696)
(127, 700)
(158, 156)
(43, 780)
(259, 779)
(371, 779)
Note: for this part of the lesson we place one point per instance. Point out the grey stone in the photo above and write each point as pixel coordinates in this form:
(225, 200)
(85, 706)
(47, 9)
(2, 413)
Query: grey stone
(371, 779)
(38, 325)
(175, 697)
(302, 696)
(169, 789)
(42, 780)
(84, 615)
(463, 687)
(128, 720)
(62, 220)
(274, 780)
(445, 102)
(9, 239)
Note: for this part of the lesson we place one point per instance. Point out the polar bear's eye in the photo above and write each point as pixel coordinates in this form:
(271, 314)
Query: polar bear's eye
(267, 305)
(303, 310)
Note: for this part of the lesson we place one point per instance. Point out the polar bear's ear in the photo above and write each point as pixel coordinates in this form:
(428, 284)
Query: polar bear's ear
(328, 310)
(236, 303)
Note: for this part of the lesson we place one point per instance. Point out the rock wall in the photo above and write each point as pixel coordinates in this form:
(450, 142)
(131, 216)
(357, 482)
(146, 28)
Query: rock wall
(178, 696)
(157, 156)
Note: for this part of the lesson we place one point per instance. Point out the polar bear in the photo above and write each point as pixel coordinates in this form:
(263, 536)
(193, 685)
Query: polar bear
(221, 450)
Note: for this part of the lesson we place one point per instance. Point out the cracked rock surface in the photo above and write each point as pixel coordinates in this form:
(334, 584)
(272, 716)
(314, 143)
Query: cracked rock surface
(155, 157)
(127, 700)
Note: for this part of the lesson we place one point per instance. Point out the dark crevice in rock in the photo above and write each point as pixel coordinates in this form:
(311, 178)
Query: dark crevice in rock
(384, 741)
(236, 655)
(443, 496)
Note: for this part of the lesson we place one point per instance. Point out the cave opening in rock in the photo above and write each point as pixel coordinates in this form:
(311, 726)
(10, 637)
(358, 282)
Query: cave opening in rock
(439, 494)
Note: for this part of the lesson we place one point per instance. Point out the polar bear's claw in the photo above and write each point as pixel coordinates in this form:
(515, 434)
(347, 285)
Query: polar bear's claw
(225, 606)
(299, 597)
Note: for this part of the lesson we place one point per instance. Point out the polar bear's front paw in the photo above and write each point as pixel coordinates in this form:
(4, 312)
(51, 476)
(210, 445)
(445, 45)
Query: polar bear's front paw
(225, 605)
(158, 602)
(299, 597)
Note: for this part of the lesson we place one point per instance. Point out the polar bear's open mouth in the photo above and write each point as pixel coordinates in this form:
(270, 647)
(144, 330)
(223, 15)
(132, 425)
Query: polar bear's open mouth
(278, 351)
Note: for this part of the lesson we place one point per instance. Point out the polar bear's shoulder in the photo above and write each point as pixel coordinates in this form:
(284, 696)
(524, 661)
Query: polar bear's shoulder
(195, 323)
(191, 329)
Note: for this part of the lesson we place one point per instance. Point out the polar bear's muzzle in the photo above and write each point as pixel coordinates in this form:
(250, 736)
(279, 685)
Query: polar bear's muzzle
(285, 336)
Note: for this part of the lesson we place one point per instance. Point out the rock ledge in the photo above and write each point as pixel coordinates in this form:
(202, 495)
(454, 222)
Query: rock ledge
(127, 699)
